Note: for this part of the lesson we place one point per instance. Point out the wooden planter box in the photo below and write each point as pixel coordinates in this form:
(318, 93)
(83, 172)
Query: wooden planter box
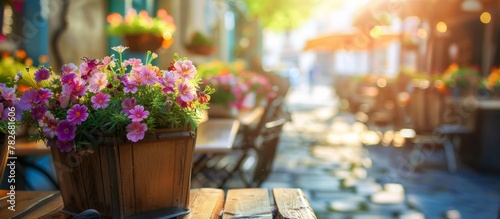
(4, 149)
(122, 179)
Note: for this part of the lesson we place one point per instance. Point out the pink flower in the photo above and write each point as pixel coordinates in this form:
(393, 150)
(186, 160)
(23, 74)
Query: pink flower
(128, 104)
(136, 131)
(42, 74)
(68, 68)
(97, 82)
(77, 114)
(66, 130)
(100, 100)
(148, 76)
(88, 67)
(138, 113)
(185, 69)
(168, 81)
(133, 62)
(187, 91)
(130, 87)
(78, 87)
(50, 128)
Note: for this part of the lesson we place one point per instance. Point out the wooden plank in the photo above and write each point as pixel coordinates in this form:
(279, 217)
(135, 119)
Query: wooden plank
(70, 180)
(247, 203)
(153, 160)
(292, 203)
(127, 178)
(94, 188)
(205, 203)
(30, 203)
(102, 154)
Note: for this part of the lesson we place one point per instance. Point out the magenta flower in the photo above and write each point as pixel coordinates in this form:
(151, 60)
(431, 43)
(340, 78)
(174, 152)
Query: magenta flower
(38, 111)
(29, 98)
(130, 87)
(100, 100)
(78, 87)
(44, 94)
(65, 146)
(77, 114)
(181, 102)
(68, 78)
(68, 69)
(185, 69)
(88, 67)
(186, 91)
(42, 74)
(128, 104)
(66, 130)
(138, 113)
(97, 82)
(136, 131)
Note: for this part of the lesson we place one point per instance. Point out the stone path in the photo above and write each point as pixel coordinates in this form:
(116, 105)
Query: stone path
(347, 172)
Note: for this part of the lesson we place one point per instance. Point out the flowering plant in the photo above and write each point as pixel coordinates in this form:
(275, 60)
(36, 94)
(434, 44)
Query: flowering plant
(142, 23)
(493, 79)
(116, 96)
(462, 77)
(9, 110)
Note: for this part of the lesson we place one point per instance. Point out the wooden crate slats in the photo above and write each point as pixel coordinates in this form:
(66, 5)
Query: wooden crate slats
(292, 203)
(205, 203)
(247, 202)
(127, 177)
(95, 190)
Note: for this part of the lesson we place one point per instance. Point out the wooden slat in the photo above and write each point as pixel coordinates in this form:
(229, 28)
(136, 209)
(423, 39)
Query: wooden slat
(247, 202)
(102, 153)
(94, 188)
(30, 204)
(127, 178)
(205, 203)
(292, 203)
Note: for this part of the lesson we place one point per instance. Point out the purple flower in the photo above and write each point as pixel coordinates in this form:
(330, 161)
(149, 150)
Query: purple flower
(38, 111)
(29, 98)
(185, 69)
(44, 94)
(186, 92)
(97, 82)
(100, 100)
(68, 69)
(88, 67)
(128, 104)
(1, 111)
(65, 146)
(136, 131)
(68, 78)
(130, 87)
(138, 113)
(66, 130)
(9, 94)
(42, 74)
(77, 114)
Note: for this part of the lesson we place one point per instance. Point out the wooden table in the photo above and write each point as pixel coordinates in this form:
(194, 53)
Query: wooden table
(204, 203)
(214, 136)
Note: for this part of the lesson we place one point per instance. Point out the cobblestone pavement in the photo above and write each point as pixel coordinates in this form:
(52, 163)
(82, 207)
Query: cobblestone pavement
(350, 171)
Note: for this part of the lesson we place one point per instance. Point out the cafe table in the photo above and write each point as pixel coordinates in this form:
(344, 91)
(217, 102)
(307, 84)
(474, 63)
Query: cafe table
(205, 203)
(213, 136)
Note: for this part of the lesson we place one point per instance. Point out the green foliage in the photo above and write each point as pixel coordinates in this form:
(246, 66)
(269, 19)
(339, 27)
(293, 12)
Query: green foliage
(198, 39)
(285, 15)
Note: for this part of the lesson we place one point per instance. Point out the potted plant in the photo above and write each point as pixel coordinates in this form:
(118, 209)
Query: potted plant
(461, 81)
(492, 83)
(142, 33)
(135, 122)
(201, 44)
(9, 119)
